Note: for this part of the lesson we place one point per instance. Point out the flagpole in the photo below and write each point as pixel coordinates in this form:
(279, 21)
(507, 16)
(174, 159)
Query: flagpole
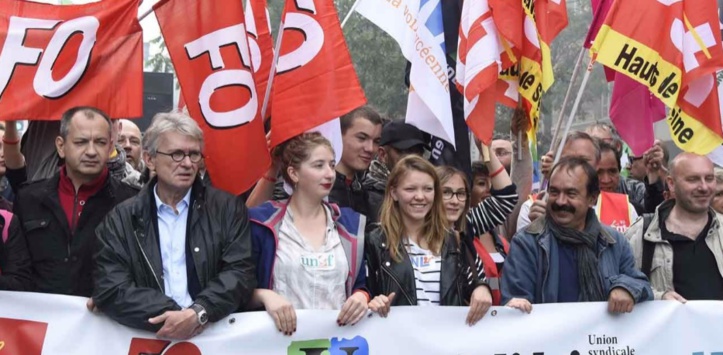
(567, 98)
(351, 11)
(575, 106)
(145, 14)
(272, 72)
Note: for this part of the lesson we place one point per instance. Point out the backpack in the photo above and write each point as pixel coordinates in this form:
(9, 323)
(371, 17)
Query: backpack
(648, 246)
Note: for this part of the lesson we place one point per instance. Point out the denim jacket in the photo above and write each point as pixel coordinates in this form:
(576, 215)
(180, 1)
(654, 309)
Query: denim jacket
(531, 270)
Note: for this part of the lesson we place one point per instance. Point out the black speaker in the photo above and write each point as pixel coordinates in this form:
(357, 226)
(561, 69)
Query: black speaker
(157, 96)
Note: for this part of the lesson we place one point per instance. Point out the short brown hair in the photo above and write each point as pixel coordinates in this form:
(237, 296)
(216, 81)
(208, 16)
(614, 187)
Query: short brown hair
(366, 112)
(297, 150)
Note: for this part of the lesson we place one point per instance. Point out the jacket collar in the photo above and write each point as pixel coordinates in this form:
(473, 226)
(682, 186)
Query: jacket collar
(654, 233)
(539, 227)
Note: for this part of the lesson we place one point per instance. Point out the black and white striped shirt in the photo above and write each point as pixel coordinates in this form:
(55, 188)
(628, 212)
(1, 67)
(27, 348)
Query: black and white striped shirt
(427, 271)
(493, 211)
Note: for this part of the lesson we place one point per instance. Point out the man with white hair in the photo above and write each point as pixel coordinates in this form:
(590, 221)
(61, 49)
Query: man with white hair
(178, 255)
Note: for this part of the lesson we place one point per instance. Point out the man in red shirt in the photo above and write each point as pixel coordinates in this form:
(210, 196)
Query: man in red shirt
(59, 215)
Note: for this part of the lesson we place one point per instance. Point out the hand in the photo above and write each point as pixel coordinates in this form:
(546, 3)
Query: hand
(353, 309)
(546, 163)
(653, 159)
(538, 208)
(521, 304)
(479, 304)
(520, 123)
(90, 304)
(281, 310)
(180, 325)
(673, 296)
(620, 301)
(382, 304)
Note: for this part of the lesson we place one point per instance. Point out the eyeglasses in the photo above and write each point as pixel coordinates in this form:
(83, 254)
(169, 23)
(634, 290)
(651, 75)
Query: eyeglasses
(461, 195)
(179, 155)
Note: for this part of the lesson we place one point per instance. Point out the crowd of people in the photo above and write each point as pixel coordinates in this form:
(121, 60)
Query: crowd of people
(93, 207)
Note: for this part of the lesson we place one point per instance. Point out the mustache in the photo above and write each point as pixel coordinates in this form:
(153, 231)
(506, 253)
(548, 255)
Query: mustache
(562, 208)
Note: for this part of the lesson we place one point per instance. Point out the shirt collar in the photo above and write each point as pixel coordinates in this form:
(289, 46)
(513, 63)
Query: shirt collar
(185, 202)
(93, 186)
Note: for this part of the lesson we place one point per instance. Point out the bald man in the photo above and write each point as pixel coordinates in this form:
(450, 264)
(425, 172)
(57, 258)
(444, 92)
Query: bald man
(680, 247)
(130, 139)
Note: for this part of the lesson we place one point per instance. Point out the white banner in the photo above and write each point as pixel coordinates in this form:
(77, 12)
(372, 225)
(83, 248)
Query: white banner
(62, 325)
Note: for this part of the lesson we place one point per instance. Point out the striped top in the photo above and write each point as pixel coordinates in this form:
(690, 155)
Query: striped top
(493, 211)
(427, 272)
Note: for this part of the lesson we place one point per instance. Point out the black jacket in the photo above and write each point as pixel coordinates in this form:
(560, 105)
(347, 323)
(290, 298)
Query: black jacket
(61, 259)
(129, 285)
(457, 279)
(15, 274)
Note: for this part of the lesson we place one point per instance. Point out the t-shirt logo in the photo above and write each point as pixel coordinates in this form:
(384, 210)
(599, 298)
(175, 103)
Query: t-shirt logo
(422, 262)
(319, 261)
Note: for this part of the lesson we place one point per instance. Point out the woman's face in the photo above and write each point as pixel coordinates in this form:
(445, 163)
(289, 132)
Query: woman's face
(454, 194)
(315, 176)
(480, 189)
(415, 195)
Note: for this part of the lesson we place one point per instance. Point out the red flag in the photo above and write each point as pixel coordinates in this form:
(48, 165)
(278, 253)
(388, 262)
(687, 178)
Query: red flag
(600, 10)
(315, 80)
(261, 44)
(211, 56)
(676, 55)
(18, 336)
(53, 58)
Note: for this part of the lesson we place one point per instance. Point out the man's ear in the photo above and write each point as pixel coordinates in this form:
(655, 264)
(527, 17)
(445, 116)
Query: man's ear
(59, 144)
(148, 159)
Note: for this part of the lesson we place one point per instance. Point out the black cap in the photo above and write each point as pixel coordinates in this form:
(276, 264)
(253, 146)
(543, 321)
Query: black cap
(401, 136)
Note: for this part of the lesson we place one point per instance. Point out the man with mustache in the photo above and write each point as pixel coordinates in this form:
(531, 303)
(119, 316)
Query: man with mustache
(59, 215)
(582, 145)
(680, 247)
(568, 255)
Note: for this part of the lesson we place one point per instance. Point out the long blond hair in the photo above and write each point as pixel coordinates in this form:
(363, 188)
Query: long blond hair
(435, 224)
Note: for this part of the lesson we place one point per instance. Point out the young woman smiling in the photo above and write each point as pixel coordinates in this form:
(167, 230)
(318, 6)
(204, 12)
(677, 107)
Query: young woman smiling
(414, 258)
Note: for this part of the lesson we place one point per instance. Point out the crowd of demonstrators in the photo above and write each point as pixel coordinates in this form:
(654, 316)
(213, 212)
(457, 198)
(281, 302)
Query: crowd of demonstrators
(382, 227)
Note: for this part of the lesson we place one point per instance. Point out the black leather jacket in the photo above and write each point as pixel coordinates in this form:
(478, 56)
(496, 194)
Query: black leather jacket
(457, 279)
(61, 259)
(129, 285)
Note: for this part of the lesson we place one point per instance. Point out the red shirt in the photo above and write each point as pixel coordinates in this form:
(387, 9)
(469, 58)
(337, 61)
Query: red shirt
(73, 203)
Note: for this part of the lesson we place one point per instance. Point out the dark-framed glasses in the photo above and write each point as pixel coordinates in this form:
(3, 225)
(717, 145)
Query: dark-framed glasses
(179, 155)
(461, 195)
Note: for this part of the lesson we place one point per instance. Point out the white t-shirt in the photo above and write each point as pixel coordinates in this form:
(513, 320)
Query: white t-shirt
(427, 272)
(309, 278)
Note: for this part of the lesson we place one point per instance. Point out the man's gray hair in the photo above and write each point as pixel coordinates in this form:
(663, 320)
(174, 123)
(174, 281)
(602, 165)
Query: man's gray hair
(165, 122)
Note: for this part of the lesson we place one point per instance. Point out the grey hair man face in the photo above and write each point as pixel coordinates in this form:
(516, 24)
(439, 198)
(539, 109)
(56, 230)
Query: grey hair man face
(130, 140)
(172, 149)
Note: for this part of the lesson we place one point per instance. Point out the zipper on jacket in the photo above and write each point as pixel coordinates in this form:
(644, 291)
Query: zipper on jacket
(404, 293)
(148, 262)
(73, 220)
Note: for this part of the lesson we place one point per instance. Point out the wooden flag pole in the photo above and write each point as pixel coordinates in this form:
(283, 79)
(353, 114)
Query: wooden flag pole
(575, 106)
(567, 98)
(272, 72)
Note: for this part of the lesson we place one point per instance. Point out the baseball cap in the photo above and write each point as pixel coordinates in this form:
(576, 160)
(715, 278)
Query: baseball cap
(401, 135)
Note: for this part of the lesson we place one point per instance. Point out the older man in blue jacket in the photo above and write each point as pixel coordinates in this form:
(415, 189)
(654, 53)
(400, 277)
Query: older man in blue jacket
(568, 256)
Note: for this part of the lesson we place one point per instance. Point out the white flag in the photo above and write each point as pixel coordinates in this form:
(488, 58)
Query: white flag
(416, 25)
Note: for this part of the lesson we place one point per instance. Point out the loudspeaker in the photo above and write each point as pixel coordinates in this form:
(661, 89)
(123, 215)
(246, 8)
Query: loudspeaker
(157, 97)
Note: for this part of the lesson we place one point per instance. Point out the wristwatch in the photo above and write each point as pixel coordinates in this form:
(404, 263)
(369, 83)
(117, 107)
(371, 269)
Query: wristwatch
(200, 313)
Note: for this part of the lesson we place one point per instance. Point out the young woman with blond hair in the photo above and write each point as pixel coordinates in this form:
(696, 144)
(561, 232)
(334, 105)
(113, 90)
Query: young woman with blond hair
(414, 258)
